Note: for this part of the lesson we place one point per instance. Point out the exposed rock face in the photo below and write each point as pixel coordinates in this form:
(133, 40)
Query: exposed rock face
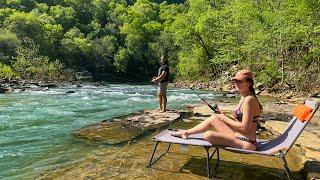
(122, 129)
(14, 85)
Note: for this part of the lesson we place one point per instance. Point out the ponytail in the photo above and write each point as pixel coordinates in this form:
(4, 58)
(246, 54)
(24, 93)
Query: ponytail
(252, 91)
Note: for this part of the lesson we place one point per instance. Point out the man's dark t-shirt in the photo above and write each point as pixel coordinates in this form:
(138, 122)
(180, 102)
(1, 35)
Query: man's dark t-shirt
(164, 68)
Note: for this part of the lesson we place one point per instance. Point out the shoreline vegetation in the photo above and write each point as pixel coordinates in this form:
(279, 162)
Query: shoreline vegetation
(124, 40)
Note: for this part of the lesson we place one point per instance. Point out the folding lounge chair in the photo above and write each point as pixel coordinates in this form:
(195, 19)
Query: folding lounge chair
(277, 147)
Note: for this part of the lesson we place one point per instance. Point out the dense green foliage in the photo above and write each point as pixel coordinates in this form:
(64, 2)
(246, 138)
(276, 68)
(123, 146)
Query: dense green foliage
(119, 39)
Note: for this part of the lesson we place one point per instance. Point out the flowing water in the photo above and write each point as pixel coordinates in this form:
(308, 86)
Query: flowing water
(36, 127)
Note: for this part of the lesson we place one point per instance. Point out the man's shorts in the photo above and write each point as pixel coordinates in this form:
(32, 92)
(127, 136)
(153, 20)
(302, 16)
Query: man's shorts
(162, 89)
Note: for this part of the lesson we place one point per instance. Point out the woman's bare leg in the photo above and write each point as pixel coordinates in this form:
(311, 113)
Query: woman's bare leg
(226, 140)
(213, 121)
(224, 135)
(221, 127)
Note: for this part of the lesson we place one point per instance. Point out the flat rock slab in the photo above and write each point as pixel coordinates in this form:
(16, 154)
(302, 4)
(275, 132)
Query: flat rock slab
(122, 129)
(308, 145)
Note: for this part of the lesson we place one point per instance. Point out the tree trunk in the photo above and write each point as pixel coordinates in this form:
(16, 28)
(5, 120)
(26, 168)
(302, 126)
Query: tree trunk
(282, 60)
(204, 46)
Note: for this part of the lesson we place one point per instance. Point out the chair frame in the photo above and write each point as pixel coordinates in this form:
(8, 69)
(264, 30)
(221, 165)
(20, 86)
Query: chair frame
(279, 153)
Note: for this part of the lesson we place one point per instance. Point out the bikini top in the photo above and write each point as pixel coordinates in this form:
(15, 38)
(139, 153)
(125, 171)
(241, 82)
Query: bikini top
(238, 114)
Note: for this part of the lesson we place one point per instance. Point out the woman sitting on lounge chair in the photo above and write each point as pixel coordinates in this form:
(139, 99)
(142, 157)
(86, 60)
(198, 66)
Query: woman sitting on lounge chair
(238, 131)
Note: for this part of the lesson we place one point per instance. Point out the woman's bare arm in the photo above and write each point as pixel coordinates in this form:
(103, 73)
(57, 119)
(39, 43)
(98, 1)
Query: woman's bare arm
(247, 117)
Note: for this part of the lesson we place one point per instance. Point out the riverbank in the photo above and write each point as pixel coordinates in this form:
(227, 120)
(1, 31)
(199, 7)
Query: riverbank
(128, 160)
(18, 85)
(223, 84)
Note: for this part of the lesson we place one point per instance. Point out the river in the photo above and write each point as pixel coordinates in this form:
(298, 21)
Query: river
(36, 126)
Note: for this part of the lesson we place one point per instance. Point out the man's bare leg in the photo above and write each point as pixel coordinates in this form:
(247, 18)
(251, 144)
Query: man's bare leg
(160, 102)
(164, 103)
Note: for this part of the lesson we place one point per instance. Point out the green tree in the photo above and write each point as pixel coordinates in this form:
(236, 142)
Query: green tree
(30, 64)
(8, 44)
(75, 48)
(66, 16)
(140, 27)
(4, 14)
(6, 71)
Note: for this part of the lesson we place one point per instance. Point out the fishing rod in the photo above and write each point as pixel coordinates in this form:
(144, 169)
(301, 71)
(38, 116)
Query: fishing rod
(212, 107)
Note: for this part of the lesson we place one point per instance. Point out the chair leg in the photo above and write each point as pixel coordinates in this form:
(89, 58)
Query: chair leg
(218, 159)
(168, 147)
(283, 159)
(209, 157)
(154, 150)
(208, 162)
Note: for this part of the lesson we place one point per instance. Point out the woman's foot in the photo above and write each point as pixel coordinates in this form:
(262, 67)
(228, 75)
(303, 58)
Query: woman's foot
(162, 111)
(183, 134)
(159, 109)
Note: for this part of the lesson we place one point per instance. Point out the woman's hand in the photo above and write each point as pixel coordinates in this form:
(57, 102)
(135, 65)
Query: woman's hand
(218, 111)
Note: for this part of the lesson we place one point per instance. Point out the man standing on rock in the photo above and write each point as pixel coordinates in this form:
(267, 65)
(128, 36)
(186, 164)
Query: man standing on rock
(163, 80)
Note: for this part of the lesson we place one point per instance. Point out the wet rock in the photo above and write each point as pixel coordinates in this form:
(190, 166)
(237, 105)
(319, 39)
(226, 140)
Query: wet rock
(315, 95)
(187, 120)
(69, 92)
(109, 132)
(312, 169)
(203, 110)
(281, 102)
(198, 118)
(122, 129)
(308, 142)
(96, 84)
(5, 89)
(2, 90)
(231, 95)
(190, 106)
(258, 92)
(49, 85)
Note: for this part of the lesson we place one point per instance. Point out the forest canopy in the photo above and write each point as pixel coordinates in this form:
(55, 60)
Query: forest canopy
(119, 40)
